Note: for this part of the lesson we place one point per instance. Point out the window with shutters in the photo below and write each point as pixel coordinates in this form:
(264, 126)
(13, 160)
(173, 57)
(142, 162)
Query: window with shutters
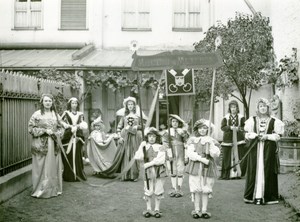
(28, 14)
(136, 15)
(73, 15)
(186, 15)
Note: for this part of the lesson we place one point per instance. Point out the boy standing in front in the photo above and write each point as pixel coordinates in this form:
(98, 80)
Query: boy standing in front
(154, 156)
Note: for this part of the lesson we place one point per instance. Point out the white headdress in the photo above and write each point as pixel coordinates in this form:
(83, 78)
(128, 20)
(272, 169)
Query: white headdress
(151, 130)
(129, 98)
(203, 122)
(97, 121)
(263, 100)
(73, 99)
(174, 116)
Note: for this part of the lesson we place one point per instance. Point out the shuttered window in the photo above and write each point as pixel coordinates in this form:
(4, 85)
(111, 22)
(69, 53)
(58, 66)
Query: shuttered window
(186, 15)
(136, 15)
(73, 14)
(28, 14)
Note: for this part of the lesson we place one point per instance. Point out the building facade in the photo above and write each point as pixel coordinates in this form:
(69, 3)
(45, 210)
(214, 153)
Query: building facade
(60, 28)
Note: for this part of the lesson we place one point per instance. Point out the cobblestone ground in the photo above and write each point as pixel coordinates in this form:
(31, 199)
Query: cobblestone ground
(122, 201)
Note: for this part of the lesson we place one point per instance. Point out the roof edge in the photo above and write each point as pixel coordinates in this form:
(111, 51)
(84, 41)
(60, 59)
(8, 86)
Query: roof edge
(43, 45)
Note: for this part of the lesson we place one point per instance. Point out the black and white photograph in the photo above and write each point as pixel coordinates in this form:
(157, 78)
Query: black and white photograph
(149, 110)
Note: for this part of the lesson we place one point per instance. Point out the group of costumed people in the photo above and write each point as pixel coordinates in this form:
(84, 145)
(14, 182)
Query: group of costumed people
(249, 150)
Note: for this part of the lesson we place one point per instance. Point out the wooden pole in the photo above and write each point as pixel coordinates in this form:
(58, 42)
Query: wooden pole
(142, 126)
(157, 115)
(217, 43)
(168, 125)
(212, 101)
(140, 103)
(250, 7)
(153, 104)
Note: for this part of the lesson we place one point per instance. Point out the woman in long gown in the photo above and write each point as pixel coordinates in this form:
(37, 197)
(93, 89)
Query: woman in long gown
(129, 129)
(73, 141)
(101, 149)
(233, 137)
(46, 155)
(262, 165)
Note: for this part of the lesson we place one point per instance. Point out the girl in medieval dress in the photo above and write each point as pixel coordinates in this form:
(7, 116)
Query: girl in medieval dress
(130, 137)
(101, 149)
(73, 141)
(233, 143)
(202, 169)
(47, 165)
(129, 129)
(175, 140)
(262, 170)
(154, 165)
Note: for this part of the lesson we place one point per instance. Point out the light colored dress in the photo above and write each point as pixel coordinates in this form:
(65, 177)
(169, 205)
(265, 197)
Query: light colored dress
(131, 137)
(131, 133)
(100, 151)
(47, 165)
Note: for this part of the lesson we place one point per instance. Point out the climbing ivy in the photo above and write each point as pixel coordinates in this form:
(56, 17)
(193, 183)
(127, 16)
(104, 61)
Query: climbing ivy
(287, 71)
(116, 80)
(67, 77)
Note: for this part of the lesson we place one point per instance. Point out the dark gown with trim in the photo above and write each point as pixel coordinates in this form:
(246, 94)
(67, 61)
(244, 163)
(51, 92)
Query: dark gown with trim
(68, 174)
(266, 152)
(227, 145)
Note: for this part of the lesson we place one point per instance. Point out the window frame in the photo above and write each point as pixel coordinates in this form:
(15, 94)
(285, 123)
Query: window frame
(29, 17)
(73, 29)
(137, 15)
(187, 13)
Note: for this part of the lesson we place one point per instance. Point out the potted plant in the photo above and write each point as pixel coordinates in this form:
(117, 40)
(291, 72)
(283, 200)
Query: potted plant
(286, 72)
(291, 128)
(289, 146)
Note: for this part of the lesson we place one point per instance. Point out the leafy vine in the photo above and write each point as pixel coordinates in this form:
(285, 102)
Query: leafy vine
(116, 80)
(291, 128)
(287, 70)
(58, 75)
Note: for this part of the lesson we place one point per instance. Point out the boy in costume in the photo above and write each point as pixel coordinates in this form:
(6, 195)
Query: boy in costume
(175, 138)
(201, 151)
(154, 156)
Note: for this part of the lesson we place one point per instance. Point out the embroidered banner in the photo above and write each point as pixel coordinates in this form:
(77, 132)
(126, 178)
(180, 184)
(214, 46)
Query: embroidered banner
(176, 60)
(180, 82)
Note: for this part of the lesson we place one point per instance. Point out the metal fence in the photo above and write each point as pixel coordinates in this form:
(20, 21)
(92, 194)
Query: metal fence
(19, 98)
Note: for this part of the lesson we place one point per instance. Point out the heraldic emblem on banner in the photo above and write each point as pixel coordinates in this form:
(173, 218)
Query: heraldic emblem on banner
(180, 82)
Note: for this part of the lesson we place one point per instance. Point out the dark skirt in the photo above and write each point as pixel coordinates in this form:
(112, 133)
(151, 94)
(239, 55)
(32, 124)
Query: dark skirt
(226, 161)
(68, 174)
(270, 173)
